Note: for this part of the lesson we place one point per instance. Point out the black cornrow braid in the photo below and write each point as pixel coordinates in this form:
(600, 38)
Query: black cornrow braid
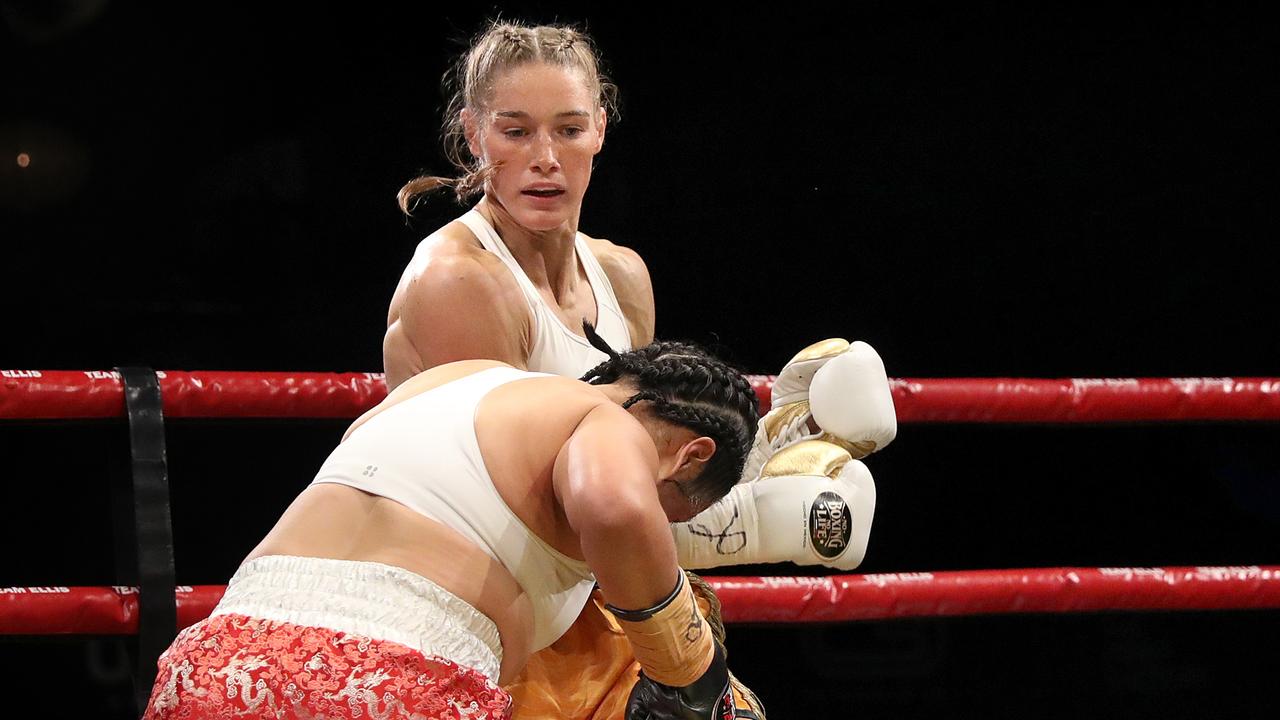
(689, 387)
(641, 396)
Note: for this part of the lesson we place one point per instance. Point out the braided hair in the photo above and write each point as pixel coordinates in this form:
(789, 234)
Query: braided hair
(689, 387)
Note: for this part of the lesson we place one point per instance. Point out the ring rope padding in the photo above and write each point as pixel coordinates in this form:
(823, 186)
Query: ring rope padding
(829, 599)
(71, 394)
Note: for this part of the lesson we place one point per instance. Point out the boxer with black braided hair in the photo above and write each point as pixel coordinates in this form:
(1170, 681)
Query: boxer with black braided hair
(463, 523)
(684, 671)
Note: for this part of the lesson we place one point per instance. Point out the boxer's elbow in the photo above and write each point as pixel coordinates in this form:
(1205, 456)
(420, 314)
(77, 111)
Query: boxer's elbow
(616, 527)
(607, 514)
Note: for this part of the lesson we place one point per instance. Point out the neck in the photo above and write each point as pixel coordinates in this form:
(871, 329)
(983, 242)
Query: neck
(548, 257)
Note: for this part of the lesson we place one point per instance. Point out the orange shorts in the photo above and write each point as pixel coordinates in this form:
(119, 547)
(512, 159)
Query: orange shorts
(588, 673)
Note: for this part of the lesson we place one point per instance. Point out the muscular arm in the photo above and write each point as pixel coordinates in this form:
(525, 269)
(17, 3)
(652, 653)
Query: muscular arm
(454, 305)
(629, 277)
(604, 481)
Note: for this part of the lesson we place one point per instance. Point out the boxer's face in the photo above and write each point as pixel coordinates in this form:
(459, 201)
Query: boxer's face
(543, 125)
(676, 503)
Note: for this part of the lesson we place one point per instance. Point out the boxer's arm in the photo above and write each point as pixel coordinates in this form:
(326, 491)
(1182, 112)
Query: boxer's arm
(456, 307)
(629, 277)
(604, 481)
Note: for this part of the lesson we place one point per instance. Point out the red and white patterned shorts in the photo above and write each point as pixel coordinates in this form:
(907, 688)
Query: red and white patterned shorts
(235, 666)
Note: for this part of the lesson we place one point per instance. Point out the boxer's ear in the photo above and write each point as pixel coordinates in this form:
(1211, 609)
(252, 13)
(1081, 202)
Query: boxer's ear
(602, 122)
(693, 456)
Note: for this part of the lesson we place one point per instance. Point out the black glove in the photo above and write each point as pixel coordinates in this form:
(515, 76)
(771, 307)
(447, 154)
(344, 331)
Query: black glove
(708, 698)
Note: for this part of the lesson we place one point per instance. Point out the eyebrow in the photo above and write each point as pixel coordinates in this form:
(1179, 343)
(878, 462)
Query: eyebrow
(520, 114)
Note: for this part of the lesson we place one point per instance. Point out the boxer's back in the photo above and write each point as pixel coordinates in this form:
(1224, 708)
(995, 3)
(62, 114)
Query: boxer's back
(520, 428)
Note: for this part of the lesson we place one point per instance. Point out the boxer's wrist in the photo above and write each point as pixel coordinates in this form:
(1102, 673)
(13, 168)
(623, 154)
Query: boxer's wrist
(724, 534)
(671, 640)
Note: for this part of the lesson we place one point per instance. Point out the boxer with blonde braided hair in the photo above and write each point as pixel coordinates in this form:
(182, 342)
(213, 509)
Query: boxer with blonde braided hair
(511, 279)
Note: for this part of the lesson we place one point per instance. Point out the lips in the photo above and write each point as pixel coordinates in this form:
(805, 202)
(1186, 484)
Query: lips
(543, 192)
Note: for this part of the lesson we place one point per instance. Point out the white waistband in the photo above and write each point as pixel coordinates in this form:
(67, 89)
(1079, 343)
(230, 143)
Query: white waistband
(370, 599)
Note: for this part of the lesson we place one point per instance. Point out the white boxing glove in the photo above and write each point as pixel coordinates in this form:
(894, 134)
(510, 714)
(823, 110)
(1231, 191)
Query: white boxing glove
(854, 394)
(812, 505)
(851, 401)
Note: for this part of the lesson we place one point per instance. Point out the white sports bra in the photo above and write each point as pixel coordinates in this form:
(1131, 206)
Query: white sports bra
(422, 452)
(556, 349)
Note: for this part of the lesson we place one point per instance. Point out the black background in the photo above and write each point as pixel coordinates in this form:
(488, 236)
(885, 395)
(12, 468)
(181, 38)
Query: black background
(1002, 190)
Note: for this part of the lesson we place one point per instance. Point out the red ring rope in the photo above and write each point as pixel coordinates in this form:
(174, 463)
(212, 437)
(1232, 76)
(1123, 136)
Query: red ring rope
(89, 395)
(67, 394)
(836, 598)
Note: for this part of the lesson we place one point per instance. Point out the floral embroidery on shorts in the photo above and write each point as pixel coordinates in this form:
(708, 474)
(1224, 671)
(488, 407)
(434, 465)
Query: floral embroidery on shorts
(232, 666)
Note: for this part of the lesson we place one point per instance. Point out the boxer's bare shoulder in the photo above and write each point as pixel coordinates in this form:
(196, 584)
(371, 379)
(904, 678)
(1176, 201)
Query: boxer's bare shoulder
(630, 279)
(455, 301)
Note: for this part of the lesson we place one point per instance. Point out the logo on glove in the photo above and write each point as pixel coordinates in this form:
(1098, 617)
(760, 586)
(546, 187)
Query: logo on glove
(829, 525)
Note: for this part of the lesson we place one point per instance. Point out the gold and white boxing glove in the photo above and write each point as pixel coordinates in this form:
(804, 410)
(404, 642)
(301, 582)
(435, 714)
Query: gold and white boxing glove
(837, 386)
(812, 505)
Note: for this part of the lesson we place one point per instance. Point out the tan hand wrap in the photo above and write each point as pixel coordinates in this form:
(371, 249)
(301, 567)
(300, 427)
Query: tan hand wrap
(674, 644)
